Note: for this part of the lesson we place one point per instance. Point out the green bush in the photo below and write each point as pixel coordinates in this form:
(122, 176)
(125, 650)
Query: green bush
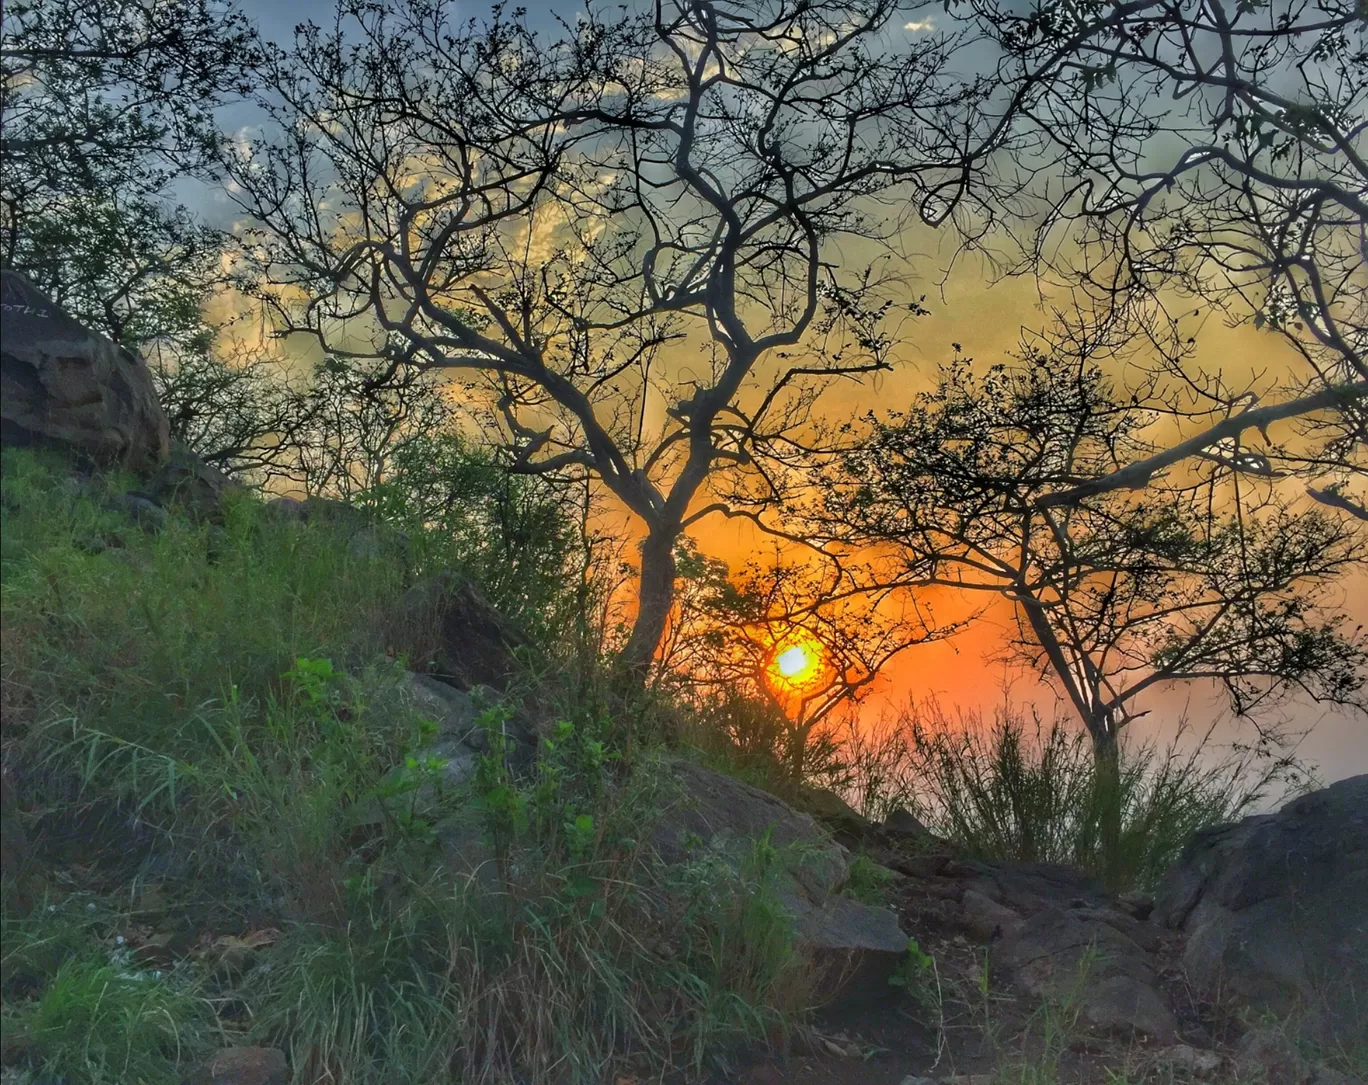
(561, 950)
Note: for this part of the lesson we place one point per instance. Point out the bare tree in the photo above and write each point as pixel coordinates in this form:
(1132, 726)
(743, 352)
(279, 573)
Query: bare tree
(1200, 156)
(1204, 574)
(631, 238)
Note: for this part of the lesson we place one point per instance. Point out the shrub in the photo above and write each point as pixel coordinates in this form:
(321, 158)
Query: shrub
(1023, 790)
(562, 950)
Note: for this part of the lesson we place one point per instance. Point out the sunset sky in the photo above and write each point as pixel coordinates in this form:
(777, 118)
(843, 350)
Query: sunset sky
(988, 322)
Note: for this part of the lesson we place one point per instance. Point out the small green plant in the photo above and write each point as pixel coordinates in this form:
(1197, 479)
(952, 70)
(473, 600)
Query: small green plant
(916, 974)
(867, 881)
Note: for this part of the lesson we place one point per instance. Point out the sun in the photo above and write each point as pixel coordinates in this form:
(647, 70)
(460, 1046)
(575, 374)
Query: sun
(796, 663)
(792, 662)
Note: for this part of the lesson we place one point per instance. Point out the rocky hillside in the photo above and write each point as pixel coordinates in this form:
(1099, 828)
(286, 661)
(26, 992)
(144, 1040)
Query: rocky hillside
(286, 799)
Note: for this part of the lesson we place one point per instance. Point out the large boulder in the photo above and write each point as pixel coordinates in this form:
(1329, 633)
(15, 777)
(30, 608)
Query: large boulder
(187, 481)
(1055, 932)
(1275, 908)
(855, 946)
(368, 537)
(64, 384)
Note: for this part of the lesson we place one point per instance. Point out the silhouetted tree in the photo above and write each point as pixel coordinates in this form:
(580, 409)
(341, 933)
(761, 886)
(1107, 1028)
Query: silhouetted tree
(728, 634)
(1202, 156)
(1202, 574)
(630, 238)
(106, 105)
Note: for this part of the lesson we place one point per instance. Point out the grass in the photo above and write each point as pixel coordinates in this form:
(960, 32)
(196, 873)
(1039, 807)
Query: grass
(1025, 790)
(205, 717)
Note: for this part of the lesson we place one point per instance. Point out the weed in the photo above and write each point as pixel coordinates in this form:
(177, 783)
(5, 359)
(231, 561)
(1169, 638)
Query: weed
(104, 1021)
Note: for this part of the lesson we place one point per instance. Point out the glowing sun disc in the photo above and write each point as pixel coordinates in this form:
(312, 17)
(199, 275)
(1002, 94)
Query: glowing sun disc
(793, 661)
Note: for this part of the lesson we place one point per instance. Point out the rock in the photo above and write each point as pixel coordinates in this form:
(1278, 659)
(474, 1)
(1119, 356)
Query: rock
(245, 1066)
(468, 854)
(1188, 1061)
(986, 919)
(856, 947)
(449, 630)
(1126, 1005)
(64, 384)
(1060, 954)
(901, 823)
(1270, 1057)
(452, 710)
(1325, 1075)
(762, 1073)
(827, 806)
(460, 736)
(1275, 908)
(1136, 904)
(162, 949)
(195, 486)
(1028, 888)
(367, 538)
(142, 509)
(313, 510)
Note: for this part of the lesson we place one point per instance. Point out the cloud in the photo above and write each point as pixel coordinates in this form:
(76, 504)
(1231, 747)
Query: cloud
(919, 26)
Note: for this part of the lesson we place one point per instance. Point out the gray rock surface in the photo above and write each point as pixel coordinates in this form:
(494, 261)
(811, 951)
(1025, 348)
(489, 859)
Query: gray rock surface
(903, 823)
(63, 383)
(1275, 908)
(1078, 956)
(245, 1066)
(1268, 1056)
(195, 486)
(1187, 1061)
(856, 946)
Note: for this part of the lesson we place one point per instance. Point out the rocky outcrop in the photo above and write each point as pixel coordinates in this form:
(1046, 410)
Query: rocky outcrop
(1097, 958)
(187, 481)
(855, 946)
(448, 629)
(64, 384)
(367, 536)
(1053, 930)
(1275, 909)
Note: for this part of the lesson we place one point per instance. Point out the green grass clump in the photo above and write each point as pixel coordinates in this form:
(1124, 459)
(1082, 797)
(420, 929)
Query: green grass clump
(1028, 791)
(104, 1022)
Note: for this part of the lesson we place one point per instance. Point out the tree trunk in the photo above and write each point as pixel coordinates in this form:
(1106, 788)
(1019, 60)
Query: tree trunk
(1107, 784)
(655, 597)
